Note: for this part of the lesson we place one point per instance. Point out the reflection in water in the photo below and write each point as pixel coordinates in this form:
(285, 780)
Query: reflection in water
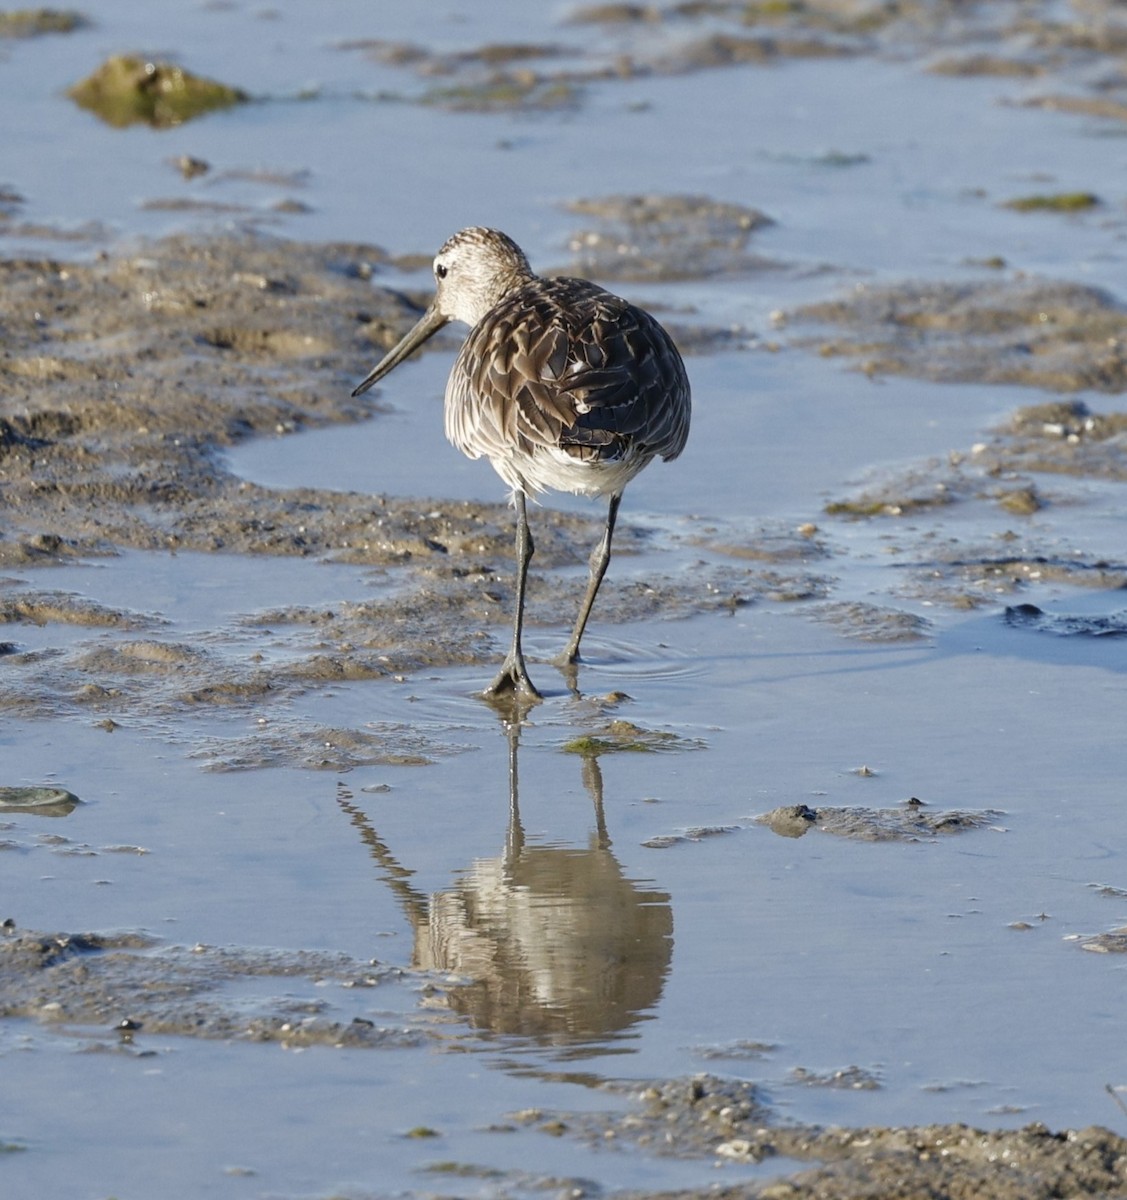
(556, 944)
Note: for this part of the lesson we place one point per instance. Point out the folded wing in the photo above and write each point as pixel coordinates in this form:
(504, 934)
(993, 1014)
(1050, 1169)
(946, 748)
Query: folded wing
(561, 363)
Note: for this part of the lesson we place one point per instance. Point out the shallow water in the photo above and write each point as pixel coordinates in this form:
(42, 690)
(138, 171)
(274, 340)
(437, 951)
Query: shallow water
(899, 958)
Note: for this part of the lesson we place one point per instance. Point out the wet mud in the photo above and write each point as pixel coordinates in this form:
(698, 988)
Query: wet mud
(1020, 485)
(664, 238)
(711, 1117)
(872, 622)
(128, 993)
(42, 801)
(113, 992)
(1113, 942)
(1075, 55)
(1058, 336)
(911, 822)
(156, 362)
(288, 741)
(1067, 624)
(124, 380)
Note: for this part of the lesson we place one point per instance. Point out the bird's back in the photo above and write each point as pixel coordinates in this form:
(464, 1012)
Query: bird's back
(563, 372)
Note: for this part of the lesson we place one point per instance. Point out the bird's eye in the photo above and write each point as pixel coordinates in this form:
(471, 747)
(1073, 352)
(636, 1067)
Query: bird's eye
(440, 270)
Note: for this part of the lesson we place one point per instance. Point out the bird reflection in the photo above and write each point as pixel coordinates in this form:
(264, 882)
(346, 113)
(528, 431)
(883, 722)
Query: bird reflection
(555, 943)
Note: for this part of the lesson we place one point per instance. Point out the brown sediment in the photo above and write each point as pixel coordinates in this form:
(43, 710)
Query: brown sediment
(119, 993)
(711, 1117)
(658, 238)
(118, 395)
(872, 622)
(123, 988)
(32, 22)
(1079, 59)
(910, 822)
(1054, 336)
(123, 380)
(1049, 334)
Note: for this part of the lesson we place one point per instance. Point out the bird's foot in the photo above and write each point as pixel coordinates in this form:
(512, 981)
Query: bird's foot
(569, 668)
(513, 682)
(567, 657)
(567, 663)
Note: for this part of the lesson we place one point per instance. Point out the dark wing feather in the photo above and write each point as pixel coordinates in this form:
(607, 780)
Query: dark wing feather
(561, 362)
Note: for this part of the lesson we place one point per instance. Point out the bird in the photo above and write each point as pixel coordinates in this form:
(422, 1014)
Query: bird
(560, 384)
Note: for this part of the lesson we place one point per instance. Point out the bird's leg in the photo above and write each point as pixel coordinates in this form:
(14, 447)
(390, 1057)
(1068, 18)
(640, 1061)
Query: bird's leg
(513, 676)
(600, 559)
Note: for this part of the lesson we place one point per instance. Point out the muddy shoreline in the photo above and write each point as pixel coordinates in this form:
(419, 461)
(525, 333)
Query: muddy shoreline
(124, 381)
(129, 372)
(127, 994)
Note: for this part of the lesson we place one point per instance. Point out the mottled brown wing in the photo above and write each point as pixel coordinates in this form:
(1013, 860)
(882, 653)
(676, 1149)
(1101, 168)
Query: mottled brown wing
(561, 362)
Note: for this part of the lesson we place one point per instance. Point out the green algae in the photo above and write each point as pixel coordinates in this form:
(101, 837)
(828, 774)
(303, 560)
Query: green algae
(625, 736)
(504, 93)
(31, 22)
(1022, 501)
(1054, 202)
(129, 90)
(892, 506)
(45, 801)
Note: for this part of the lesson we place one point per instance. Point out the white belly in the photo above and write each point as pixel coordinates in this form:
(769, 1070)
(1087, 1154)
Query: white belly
(550, 469)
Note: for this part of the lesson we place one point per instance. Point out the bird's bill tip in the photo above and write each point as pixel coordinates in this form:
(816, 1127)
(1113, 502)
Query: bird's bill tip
(428, 324)
(373, 376)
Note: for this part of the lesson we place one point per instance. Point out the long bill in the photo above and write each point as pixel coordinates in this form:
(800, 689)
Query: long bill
(429, 324)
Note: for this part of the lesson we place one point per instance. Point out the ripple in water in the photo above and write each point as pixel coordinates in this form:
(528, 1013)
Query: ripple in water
(638, 660)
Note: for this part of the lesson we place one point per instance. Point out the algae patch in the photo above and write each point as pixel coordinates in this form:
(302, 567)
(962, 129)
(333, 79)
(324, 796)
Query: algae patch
(627, 737)
(40, 801)
(31, 22)
(504, 92)
(1066, 202)
(129, 90)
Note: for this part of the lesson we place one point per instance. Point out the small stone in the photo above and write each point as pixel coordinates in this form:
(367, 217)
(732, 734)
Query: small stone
(423, 1131)
(190, 167)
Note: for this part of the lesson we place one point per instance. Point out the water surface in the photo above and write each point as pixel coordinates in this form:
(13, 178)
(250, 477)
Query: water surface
(942, 968)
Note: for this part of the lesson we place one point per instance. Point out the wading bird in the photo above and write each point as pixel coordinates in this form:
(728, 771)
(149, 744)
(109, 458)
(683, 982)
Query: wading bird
(560, 384)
